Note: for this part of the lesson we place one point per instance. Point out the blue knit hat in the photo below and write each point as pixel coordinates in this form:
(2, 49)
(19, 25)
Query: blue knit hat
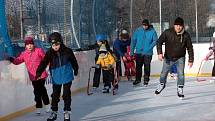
(101, 37)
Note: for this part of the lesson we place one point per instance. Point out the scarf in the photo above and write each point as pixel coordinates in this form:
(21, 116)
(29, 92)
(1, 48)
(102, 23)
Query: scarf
(181, 33)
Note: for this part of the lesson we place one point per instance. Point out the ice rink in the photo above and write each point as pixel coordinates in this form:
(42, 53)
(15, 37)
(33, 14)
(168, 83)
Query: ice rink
(140, 104)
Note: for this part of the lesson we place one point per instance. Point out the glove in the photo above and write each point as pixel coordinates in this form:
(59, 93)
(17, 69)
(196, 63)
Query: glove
(75, 72)
(11, 59)
(109, 66)
(97, 66)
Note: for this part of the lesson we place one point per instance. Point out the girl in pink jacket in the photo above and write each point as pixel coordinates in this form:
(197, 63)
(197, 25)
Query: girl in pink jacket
(32, 57)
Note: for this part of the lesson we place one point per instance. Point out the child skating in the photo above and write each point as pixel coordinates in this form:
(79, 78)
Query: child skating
(106, 62)
(63, 66)
(32, 56)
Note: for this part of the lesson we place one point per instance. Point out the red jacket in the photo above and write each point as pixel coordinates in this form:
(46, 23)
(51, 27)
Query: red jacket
(32, 61)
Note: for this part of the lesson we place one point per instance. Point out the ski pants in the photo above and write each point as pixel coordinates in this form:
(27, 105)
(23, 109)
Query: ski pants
(40, 93)
(66, 96)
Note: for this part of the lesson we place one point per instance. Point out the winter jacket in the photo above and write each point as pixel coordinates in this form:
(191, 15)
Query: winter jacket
(119, 47)
(32, 60)
(62, 64)
(104, 62)
(144, 41)
(175, 47)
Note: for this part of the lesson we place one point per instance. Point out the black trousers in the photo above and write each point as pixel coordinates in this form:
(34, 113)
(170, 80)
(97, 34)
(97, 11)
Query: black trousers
(119, 68)
(66, 96)
(108, 77)
(40, 93)
(140, 61)
(96, 77)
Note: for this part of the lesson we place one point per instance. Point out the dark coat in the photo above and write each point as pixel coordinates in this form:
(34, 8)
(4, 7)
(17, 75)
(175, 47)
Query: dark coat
(174, 47)
(62, 65)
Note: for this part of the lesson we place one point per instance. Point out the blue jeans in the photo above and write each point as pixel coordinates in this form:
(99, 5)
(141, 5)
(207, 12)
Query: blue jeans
(167, 64)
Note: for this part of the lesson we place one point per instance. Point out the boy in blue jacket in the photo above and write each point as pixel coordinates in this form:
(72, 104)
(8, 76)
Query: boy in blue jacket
(143, 41)
(63, 66)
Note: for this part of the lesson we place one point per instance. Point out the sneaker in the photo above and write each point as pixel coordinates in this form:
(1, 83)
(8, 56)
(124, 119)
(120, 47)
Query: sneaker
(136, 82)
(66, 116)
(53, 116)
(47, 108)
(105, 90)
(180, 92)
(38, 111)
(161, 86)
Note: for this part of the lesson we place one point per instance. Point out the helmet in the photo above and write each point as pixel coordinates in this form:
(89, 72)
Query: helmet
(101, 37)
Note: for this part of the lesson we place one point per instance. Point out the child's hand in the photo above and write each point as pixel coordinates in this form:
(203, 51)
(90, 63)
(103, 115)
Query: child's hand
(38, 78)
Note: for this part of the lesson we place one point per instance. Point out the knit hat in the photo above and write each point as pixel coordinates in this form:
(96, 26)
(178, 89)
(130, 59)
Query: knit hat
(55, 38)
(179, 21)
(101, 37)
(28, 40)
(145, 22)
(124, 34)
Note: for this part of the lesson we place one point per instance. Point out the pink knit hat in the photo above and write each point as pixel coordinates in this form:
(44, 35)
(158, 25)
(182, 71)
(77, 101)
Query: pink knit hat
(28, 40)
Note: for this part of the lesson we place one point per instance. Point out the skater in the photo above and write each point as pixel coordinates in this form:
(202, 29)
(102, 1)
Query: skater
(32, 56)
(100, 39)
(144, 39)
(106, 62)
(176, 40)
(120, 48)
(63, 66)
(210, 53)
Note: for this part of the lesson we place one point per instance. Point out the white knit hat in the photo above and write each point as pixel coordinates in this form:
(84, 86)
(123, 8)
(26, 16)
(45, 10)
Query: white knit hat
(103, 48)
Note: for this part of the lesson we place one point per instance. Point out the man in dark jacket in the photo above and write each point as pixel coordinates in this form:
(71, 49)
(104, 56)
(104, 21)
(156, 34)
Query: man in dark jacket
(176, 40)
(63, 66)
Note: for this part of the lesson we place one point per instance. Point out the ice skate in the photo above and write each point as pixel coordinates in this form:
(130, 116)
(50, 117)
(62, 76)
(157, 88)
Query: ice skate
(66, 116)
(136, 83)
(53, 116)
(180, 92)
(161, 86)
